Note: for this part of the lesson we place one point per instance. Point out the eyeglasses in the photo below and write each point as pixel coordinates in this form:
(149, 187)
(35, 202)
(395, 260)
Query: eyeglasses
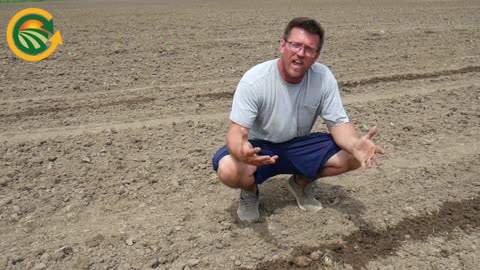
(296, 47)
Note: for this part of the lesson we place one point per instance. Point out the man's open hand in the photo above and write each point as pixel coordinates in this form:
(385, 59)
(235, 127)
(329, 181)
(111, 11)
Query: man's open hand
(248, 153)
(366, 151)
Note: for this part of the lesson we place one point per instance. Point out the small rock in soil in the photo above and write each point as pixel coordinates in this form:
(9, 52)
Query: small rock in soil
(39, 266)
(154, 263)
(86, 159)
(45, 257)
(16, 209)
(302, 261)
(327, 261)
(316, 255)
(130, 241)
(62, 252)
(39, 251)
(95, 241)
(17, 259)
(193, 262)
(14, 217)
(5, 201)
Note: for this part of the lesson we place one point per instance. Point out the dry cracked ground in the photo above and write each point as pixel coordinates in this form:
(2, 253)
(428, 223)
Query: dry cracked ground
(106, 145)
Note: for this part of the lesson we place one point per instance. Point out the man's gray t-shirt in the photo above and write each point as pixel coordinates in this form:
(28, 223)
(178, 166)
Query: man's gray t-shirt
(277, 111)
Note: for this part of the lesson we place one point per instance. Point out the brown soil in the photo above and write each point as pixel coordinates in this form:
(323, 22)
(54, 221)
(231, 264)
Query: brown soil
(106, 145)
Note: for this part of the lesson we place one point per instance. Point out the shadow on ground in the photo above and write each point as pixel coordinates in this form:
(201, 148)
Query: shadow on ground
(367, 244)
(274, 196)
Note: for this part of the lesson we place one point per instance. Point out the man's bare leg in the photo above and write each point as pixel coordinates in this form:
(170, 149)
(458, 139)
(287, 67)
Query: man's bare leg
(236, 174)
(303, 188)
(339, 163)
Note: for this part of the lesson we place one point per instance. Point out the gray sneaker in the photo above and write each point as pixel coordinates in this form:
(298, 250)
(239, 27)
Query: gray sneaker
(305, 199)
(248, 208)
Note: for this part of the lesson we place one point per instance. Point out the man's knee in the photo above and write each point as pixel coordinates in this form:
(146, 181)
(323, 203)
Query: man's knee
(233, 174)
(352, 163)
(342, 162)
(226, 171)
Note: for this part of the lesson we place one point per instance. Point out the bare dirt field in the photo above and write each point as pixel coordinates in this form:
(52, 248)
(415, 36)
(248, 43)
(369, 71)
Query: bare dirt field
(106, 145)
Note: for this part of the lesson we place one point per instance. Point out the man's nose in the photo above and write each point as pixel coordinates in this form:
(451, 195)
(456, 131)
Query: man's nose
(301, 51)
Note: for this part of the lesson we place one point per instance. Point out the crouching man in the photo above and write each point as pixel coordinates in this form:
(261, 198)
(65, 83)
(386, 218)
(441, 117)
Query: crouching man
(275, 106)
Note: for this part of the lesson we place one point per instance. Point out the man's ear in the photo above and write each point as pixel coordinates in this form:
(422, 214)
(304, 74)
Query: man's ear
(281, 45)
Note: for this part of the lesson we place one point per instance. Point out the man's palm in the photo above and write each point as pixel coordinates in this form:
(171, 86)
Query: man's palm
(365, 150)
(249, 153)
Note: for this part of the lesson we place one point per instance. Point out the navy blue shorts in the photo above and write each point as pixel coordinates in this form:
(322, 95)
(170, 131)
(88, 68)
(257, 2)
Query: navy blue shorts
(302, 155)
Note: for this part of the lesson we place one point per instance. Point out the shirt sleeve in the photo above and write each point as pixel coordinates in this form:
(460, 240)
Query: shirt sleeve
(245, 105)
(332, 110)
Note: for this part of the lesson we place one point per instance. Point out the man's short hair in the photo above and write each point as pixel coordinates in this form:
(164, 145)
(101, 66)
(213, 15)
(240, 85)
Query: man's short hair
(308, 24)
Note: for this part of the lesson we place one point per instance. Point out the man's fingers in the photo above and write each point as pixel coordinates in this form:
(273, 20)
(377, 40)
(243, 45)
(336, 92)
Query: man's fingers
(379, 150)
(377, 161)
(372, 132)
(272, 160)
(252, 151)
(267, 158)
(268, 161)
(364, 166)
(263, 160)
(368, 163)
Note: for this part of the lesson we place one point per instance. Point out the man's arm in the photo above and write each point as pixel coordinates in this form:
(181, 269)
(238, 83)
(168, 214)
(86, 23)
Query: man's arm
(240, 148)
(362, 148)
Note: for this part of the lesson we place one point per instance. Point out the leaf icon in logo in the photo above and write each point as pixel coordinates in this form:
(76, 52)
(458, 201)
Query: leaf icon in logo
(32, 37)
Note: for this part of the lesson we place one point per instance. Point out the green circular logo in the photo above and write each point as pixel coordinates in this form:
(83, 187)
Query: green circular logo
(30, 33)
